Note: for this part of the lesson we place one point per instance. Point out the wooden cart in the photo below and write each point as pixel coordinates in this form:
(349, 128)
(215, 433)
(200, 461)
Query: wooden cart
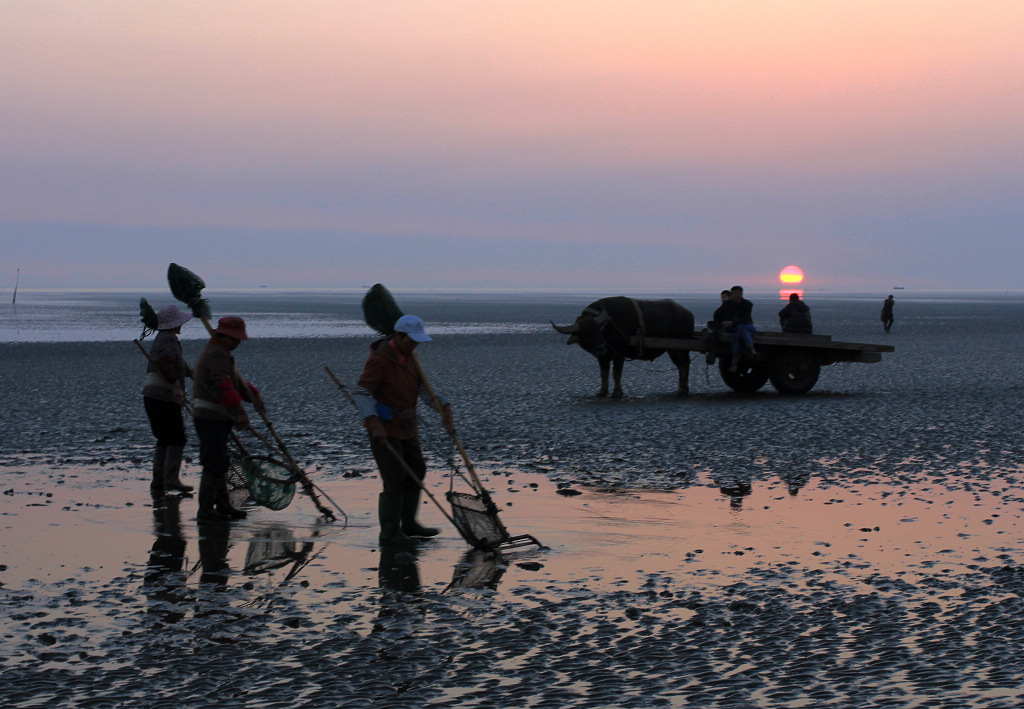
(791, 361)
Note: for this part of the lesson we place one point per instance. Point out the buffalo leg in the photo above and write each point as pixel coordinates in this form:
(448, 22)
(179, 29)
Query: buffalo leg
(681, 358)
(617, 374)
(605, 364)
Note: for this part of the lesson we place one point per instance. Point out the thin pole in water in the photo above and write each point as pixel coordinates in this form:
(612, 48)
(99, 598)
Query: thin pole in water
(17, 277)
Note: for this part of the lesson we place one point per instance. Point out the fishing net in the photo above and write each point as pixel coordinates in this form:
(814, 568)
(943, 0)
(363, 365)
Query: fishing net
(476, 518)
(238, 486)
(270, 483)
(380, 310)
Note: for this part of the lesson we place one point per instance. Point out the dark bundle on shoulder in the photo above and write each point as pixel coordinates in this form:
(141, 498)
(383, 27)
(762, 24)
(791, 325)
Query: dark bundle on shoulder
(380, 310)
(187, 287)
(150, 322)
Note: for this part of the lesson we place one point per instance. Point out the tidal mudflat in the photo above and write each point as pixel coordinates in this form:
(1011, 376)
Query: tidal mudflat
(857, 547)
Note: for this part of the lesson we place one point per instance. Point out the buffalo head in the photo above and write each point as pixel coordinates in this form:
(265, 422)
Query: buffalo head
(588, 332)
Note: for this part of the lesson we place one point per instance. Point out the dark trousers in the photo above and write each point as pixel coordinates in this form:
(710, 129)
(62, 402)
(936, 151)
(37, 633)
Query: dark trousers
(392, 474)
(165, 421)
(213, 446)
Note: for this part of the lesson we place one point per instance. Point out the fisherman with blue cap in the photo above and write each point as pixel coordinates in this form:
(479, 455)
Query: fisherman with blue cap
(386, 396)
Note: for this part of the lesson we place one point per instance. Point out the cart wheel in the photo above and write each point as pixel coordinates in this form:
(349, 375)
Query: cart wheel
(794, 370)
(749, 375)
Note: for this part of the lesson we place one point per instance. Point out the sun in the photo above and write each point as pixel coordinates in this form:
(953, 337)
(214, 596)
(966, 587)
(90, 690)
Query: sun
(791, 275)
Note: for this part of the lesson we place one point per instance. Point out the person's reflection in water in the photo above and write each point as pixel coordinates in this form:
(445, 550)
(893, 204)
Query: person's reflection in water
(794, 479)
(735, 485)
(398, 570)
(164, 583)
(213, 552)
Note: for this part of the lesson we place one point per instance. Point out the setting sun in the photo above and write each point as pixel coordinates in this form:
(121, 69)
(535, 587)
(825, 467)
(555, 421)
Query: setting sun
(791, 275)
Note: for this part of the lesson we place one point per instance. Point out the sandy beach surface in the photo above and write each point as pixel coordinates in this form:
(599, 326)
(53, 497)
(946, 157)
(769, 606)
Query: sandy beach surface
(860, 546)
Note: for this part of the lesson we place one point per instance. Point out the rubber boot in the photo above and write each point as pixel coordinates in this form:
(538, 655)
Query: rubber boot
(389, 511)
(222, 502)
(410, 506)
(156, 487)
(172, 467)
(207, 497)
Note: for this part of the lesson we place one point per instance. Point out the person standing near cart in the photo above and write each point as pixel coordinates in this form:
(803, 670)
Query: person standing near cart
(386, 397)
(163, 397)
(219, 391)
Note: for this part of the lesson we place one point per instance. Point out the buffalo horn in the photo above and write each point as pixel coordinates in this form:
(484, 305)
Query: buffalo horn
(566, 329)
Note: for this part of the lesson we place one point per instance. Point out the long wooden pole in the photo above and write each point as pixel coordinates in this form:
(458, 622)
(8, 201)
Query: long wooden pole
(399, 458)
(454, 435)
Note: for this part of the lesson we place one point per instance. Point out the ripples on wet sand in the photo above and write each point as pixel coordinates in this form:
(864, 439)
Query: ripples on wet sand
(875, 561)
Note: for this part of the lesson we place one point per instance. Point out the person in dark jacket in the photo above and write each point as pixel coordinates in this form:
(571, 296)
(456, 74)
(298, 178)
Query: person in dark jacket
(796, 316)
(887, 312)
(163, 397)
(739, 322)
(715, 327)
(386, 396)
(219, 391)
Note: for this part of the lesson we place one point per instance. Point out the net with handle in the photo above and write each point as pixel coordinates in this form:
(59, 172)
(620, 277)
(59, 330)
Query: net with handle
(474, 514)
(270, 482)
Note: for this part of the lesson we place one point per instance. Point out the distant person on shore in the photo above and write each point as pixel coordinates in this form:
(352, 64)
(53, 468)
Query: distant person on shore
(163, 397)
(887, 312)
(796, 316)
(386, 397)
(739, 322)
(715, 327)
(219, 391)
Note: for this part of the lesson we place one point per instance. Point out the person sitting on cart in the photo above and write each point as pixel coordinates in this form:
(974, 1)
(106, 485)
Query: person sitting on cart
(386, 396)
(796, 316)
(715, 327)
(739, 323)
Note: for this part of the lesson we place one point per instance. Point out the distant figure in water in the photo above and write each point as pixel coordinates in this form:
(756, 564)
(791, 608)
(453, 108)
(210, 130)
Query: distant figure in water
(163, 397)
(887, 312)
(796, 316)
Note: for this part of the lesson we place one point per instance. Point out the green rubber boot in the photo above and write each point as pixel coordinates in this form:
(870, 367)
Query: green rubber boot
(410, 506)
(156, 486)
(389, 510)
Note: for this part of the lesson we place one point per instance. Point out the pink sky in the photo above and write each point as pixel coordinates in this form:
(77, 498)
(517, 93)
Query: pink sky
(638, 144)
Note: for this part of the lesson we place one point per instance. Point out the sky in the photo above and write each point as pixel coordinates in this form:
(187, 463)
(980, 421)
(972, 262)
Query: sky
(618, 146)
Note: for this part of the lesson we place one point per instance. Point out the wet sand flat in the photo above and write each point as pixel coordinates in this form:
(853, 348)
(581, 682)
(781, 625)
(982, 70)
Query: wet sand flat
(860, 546)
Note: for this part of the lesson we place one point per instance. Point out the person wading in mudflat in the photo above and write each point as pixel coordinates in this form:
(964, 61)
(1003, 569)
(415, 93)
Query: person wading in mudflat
(386, 397)
(163, 397)
(219, 392)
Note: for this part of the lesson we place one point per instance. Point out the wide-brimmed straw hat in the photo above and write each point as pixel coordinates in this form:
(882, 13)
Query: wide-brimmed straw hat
(170, 317)
(232, 326)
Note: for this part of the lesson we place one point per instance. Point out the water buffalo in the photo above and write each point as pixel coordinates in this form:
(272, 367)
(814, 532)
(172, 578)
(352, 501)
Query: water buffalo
(605, 326)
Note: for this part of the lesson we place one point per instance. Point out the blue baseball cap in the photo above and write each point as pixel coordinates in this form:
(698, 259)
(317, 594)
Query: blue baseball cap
(412, 325)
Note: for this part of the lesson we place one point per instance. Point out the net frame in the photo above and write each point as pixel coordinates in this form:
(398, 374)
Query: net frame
(476, 518)
(270, 483)
(238, 486)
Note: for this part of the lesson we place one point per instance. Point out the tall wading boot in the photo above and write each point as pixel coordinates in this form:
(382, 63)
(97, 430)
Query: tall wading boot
(207, 497)
(410, 506)
(222, 502)
(389, 511)
(156, 487)
(172, 467)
